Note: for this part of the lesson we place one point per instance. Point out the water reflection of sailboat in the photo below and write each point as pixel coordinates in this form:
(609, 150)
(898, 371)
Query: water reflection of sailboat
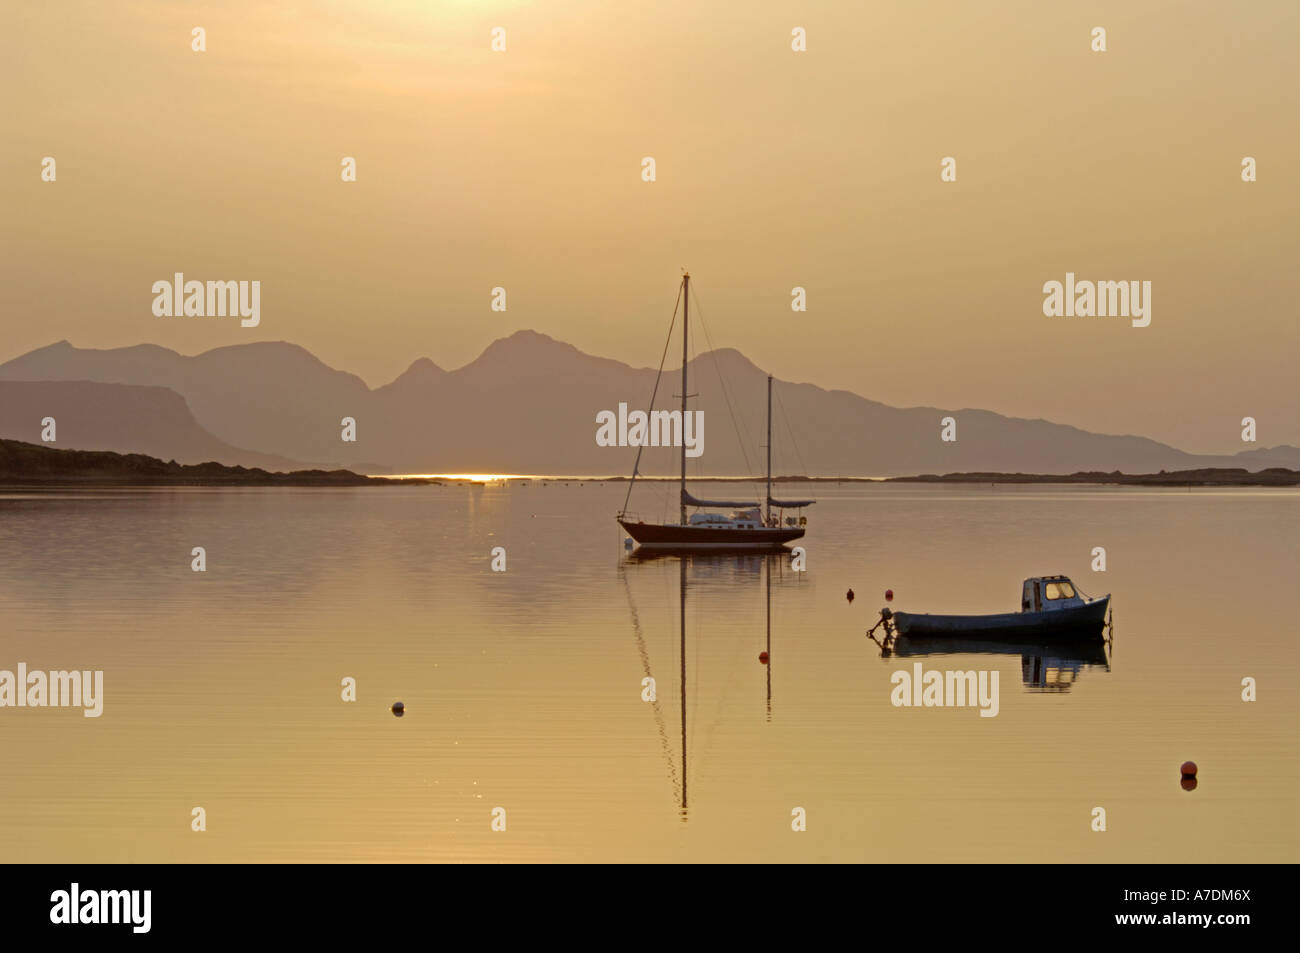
(712, 565)
(681, 680)
(1044, 667)
(705, 570)
(679, 782)
(767, 653)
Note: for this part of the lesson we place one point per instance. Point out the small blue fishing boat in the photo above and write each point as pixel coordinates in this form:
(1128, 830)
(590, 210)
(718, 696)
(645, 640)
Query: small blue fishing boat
(1049, 605)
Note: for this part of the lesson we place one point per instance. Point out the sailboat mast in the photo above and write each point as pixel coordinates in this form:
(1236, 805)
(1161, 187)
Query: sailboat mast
(767, 504)
(686, 312)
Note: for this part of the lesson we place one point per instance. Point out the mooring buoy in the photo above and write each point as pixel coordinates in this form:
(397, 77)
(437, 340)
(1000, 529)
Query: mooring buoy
(399, 709)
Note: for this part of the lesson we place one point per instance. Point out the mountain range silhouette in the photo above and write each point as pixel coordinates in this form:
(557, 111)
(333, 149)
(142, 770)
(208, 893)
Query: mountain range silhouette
(527, 404)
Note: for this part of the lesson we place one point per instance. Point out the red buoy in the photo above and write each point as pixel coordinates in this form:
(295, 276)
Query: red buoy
(889, 595)
(1189, 769)
(850, 596)
(762, 657)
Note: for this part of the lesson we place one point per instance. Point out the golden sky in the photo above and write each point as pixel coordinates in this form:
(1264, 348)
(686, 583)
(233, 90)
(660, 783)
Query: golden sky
(775, 169)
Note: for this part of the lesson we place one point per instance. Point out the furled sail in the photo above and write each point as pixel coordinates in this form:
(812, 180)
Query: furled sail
(689, 500)
(789, 504)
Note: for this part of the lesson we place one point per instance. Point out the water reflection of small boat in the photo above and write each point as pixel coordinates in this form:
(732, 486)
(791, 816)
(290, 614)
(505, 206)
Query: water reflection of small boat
(1091, 653)
(1049, 604)
(1047, 666)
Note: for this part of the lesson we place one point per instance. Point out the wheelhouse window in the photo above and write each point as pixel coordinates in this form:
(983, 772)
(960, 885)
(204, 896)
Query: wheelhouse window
(1058, 590)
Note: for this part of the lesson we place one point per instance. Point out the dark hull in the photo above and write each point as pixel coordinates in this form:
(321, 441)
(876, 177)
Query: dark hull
(676, 537)
(1081, 623)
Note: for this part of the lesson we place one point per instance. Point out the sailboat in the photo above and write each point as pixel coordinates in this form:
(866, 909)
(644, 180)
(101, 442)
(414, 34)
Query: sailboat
(747, 527)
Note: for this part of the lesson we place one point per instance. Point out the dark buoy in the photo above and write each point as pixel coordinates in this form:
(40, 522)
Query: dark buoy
(850, 596)
(889, 595)
(399, 709)
(1189, 769)
(762, 657)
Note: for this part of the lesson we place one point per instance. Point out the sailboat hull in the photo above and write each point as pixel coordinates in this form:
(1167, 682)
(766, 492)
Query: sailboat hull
(676, 536)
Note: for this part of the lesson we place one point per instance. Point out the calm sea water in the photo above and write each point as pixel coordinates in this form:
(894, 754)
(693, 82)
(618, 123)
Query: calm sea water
(523, 689)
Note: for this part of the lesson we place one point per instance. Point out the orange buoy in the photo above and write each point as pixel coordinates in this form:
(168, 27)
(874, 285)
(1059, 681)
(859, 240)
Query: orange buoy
(1189, 769)
(762, 657)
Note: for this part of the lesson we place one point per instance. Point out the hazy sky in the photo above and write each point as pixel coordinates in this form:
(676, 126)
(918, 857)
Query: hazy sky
(775, 169)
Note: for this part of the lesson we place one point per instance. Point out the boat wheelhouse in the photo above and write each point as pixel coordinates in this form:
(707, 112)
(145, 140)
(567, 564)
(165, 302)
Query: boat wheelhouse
(1049, 594)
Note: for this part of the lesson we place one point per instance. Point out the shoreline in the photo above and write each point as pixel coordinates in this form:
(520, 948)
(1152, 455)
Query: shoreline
(25, 465)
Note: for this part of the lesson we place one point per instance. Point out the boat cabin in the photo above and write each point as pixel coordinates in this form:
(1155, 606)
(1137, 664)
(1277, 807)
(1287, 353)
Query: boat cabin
(1047, 593)
(739, 519)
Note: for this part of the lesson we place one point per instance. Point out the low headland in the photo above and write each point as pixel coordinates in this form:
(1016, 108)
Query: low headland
(1212, 476)
(27, 464)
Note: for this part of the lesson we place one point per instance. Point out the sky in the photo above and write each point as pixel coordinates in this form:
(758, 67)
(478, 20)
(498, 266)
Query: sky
(775, 169)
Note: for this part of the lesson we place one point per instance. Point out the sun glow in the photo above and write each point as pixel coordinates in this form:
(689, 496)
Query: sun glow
(465, 477)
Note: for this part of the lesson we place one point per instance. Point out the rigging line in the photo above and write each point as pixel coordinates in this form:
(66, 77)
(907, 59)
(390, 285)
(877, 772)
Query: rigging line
(793, 440)
(742, 435)
(637, 465)
(645, 664)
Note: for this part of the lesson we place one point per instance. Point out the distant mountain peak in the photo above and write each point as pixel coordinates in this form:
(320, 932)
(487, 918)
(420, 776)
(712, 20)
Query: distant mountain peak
(527, 338)
(729, 357)
(422, 370)
(525, 348)
(422, 365)
(529, 334)
(263, 347)
(57, 349)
